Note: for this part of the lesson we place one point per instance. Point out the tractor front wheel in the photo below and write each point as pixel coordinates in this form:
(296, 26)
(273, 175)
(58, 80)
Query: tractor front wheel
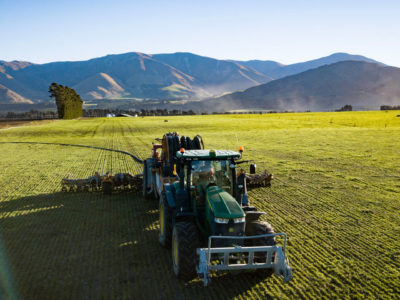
(165, 219)
(185, 241)
(259, 228)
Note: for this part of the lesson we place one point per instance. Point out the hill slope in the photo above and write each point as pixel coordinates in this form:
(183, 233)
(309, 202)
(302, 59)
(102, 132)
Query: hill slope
(361, 84)
(8, 96)
(158, 76)
(215, 76)
(99, 86)
(138, 75)
(276, 70)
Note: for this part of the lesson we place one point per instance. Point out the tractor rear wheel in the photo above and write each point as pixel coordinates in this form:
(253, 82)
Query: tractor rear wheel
(258, 228)
(185, 241)
(165, 219)
(155, 188)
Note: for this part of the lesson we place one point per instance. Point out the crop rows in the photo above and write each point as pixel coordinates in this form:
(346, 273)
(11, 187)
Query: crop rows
(335, 194)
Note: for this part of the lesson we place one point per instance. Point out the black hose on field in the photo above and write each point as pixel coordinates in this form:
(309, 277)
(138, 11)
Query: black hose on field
(134, 157)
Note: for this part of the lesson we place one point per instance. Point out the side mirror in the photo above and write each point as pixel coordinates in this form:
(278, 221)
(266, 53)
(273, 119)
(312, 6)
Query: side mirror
(192, 187)
(240, 186)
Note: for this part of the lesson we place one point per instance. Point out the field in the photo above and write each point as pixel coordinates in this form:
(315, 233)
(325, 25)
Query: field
(336, 194)
(4, 124)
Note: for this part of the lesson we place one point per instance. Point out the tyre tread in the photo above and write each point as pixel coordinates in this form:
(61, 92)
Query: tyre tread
(188, 241)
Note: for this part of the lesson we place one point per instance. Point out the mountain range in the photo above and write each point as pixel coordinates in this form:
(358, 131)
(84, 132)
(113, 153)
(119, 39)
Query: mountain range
(155, 76)
(130, 75)
(277, 70)
(364, 85)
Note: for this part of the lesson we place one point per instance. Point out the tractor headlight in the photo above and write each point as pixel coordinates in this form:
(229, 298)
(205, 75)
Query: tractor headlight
(221, 220)
(239, 220)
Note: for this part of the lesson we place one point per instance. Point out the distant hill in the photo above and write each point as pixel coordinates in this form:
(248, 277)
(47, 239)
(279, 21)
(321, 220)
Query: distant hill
(277, 70)
(99, 86)
(267, 67)
(7, 96)
(360, 84)
(132, 75)
(13, 65)
(213, 75)
(137, 75)
(21, 92)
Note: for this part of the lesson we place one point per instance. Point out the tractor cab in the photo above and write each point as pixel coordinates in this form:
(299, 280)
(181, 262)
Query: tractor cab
(208, 184)
(204, 168)
(208, 173)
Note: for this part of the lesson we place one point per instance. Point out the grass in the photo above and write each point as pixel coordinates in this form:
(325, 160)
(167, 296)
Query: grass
(4, 124)
(336, 194)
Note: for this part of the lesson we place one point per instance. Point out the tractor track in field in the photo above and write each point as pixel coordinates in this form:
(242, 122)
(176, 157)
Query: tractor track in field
(127, 144)
(324, 246)
(315, 193)
(306, 214)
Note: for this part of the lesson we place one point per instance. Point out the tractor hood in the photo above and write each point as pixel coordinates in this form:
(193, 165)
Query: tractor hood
(222, 204)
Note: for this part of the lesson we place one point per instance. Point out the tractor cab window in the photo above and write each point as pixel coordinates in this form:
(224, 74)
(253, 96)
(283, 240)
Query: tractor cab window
(205, 173)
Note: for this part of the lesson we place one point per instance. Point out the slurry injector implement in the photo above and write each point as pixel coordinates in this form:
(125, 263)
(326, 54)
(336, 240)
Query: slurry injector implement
(106, 183)
(205, 214)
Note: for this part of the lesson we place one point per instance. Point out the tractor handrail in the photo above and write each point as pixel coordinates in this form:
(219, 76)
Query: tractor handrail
(245, 238)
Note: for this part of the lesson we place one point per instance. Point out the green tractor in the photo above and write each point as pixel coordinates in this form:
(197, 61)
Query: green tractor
(205, 215)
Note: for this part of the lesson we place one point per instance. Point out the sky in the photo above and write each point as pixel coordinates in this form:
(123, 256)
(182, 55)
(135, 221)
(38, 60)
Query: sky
(287, 31)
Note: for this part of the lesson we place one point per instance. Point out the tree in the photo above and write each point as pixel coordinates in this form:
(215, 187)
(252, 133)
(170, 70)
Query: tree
(69, 103)
(347, 107)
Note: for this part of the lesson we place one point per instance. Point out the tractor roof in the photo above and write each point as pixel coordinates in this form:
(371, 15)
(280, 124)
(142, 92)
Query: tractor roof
(208, 154)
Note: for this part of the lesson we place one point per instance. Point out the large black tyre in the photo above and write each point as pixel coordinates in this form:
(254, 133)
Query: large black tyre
(185, 240)
(188, 143)
(177, 144)
(258, 228)
(196, 142)
(165, 218)
(171, 151)
(155, 193)
(183, 141)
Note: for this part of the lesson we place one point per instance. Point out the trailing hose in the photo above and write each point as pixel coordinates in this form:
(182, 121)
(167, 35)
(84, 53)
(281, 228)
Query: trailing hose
(134, 157)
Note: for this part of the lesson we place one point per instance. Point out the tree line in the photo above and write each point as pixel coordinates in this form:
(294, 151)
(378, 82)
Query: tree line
(346, 107)
(32, 115)
(390, 107)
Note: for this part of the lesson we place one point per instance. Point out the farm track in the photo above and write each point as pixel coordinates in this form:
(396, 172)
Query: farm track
(343, 229)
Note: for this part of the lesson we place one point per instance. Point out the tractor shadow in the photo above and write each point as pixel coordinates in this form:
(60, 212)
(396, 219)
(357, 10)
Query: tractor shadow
(230, 285)
(90, 246)
(77, 245)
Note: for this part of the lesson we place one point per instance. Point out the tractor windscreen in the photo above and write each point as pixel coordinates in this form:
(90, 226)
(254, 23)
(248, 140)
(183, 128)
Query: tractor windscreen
(212, 172)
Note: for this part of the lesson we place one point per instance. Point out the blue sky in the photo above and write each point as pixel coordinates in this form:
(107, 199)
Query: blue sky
(281, 30)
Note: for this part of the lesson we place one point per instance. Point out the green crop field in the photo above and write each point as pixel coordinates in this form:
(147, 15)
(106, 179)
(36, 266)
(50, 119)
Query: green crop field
(336, 194)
